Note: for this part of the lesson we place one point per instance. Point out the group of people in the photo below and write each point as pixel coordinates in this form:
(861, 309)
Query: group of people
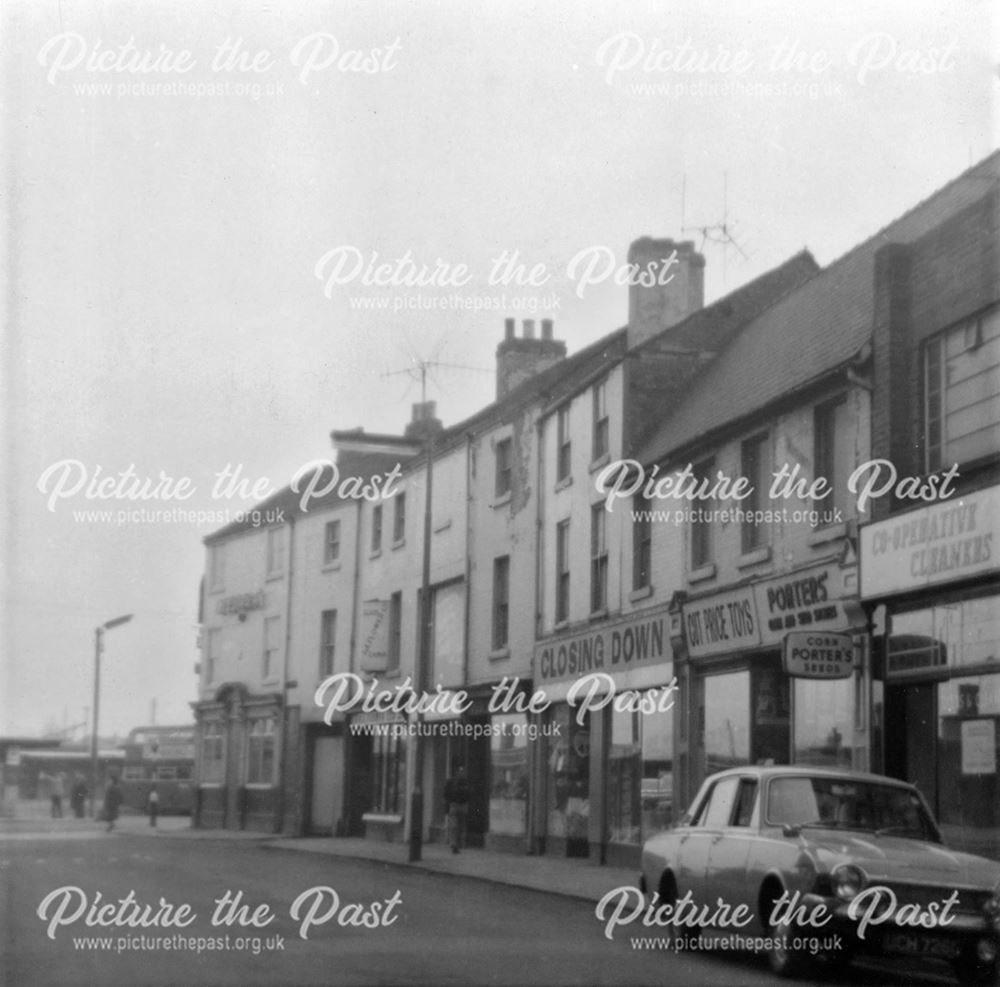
(55, 787)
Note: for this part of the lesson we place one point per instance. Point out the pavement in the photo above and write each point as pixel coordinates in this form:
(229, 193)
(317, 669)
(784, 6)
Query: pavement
(572, 878)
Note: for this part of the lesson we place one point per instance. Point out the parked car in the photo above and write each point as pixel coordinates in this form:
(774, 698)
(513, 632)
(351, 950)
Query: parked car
(813, 854)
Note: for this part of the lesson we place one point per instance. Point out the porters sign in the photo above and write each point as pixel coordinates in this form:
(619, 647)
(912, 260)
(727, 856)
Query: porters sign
(812, 655)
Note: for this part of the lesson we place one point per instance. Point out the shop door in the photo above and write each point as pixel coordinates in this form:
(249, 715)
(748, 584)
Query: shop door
(911, 736)
(477, 770)
(327, 787)
(359, 780)
(771, 733)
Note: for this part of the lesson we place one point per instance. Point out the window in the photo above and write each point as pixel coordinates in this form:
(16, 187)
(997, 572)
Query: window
(501, 601)
(719, 810)
(562, 571)
(756, 468)
(504, 453)
(272, 627)
(331, 542)
(962, 392)
(212, 752)
(833, 454)
(212, 654)
(328, 642)
(642, 543)
(395, 629)
(216, 567)
(260, 751)
(563, 444)
(598, 559)
(389, 774)
(746, 798)
(701, 528)
(377, 528)
(600, 419)
(399, 519)
(275, 551)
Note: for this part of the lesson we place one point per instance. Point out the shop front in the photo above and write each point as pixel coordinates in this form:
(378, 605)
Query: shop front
(604, 770)
(767, 676)
(929, 579)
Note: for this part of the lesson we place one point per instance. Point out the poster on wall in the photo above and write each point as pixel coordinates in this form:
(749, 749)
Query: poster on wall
(636, 339)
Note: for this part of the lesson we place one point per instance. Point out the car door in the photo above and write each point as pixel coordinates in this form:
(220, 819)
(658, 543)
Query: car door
(729, 852)
(705, 830)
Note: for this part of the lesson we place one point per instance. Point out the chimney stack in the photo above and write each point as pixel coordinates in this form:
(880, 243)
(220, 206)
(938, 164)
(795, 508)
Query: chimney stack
(521, 357)
(677, 271)
(424, 422)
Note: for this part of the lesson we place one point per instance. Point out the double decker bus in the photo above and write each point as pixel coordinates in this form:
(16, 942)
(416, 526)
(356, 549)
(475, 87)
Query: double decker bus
(161, 756)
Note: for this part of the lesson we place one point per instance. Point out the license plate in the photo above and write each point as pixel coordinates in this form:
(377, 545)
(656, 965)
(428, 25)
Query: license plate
(913, 945)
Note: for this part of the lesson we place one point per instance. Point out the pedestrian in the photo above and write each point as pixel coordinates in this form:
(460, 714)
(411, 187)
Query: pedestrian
(112, 802)
(153, 803)
(78, 796)
(58, 791)
(456, 799)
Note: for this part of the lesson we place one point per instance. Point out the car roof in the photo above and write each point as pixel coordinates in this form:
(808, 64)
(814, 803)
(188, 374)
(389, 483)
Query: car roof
(765, 772)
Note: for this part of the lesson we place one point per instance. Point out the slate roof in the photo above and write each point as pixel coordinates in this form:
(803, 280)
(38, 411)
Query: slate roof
(810, 332)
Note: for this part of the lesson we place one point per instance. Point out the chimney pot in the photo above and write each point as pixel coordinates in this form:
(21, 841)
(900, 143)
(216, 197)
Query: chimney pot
(508, 328)
(546, 329)
(529, 328)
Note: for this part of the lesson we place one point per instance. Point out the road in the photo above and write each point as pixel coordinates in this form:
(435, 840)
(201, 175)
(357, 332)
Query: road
(426, 929)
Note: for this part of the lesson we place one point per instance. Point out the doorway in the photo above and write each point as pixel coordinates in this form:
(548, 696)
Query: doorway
(910, 736)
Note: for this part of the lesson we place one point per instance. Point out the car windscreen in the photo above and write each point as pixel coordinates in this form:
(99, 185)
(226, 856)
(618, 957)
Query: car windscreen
(843, 803)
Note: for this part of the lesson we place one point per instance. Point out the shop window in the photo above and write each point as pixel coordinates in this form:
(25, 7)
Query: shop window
(824, 722)
(272, 647)
(562, 571)
(962, 392)
(331, 542)
(642, 544)
(260, 751)
(563, 446)
(756, 467)
(275, 551)
(328, 642)
(509, 775)
(727, 721)
(377, 528)
(216, 568)
(501, 601)
(389, 773)
(569, 780)
(601, 428)
(640, 775)
(833, 454)
(212, 638)
(504, 458)
(395, 630)
(701, 527)
(598, 559)
(399, 518)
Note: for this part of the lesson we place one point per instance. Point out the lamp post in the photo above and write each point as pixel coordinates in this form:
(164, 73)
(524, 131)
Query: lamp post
(98, 645)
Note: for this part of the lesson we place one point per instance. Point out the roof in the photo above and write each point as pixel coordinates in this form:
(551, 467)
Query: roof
(810, 332)
(797, 770)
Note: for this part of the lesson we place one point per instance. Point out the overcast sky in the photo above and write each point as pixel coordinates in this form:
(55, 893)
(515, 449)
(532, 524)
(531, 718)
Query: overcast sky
(191, 188)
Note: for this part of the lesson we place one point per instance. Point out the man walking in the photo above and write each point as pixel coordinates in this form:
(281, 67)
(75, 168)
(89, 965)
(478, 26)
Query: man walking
(456, 798)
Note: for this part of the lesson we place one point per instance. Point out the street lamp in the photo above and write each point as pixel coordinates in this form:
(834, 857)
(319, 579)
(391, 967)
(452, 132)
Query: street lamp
(98, 645)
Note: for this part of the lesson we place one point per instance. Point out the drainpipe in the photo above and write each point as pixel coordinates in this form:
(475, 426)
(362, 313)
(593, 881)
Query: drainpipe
(283, 760)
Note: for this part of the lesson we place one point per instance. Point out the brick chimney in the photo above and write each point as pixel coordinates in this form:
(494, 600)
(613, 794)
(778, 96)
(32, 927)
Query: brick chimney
(678, 273)
(424, 422)
(521, 357)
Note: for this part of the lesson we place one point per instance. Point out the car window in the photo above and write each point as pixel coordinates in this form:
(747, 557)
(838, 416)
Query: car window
(791, 801)
(746, 798)
(719, 810)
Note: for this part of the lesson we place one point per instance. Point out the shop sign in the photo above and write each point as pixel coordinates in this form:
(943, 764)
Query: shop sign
(814, 655)
(640, 641)
(374, 635)
(979, 747)
(806, 600)
(721, 623)
(242, 603)
(936, 544)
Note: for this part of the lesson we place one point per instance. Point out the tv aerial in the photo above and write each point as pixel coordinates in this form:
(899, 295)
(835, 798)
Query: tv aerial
(721, 233)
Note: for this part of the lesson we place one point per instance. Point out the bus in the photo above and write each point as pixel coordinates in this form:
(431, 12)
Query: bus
(161, 756)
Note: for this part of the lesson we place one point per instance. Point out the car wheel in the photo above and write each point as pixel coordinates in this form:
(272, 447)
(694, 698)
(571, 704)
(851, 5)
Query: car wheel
(679, 935)
(784, 960)
(971, 971)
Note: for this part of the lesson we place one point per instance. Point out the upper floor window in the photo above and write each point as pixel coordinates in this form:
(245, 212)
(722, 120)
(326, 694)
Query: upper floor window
(504, 451)
(756, 467)
(211, 653)
(216, 567)
(562, 571)
(962, 392)
(833, 454)
(598, 559)
(701, 527)
(642, 543)
(275, 551)
(331, 542)
(563, 446)
(328, 642)
(377, 528)
(501, 601)
(395, 630)
(272, 646)
(399, 518)
(600, 419)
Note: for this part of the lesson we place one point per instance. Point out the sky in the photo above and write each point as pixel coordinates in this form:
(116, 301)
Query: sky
(201, 198)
